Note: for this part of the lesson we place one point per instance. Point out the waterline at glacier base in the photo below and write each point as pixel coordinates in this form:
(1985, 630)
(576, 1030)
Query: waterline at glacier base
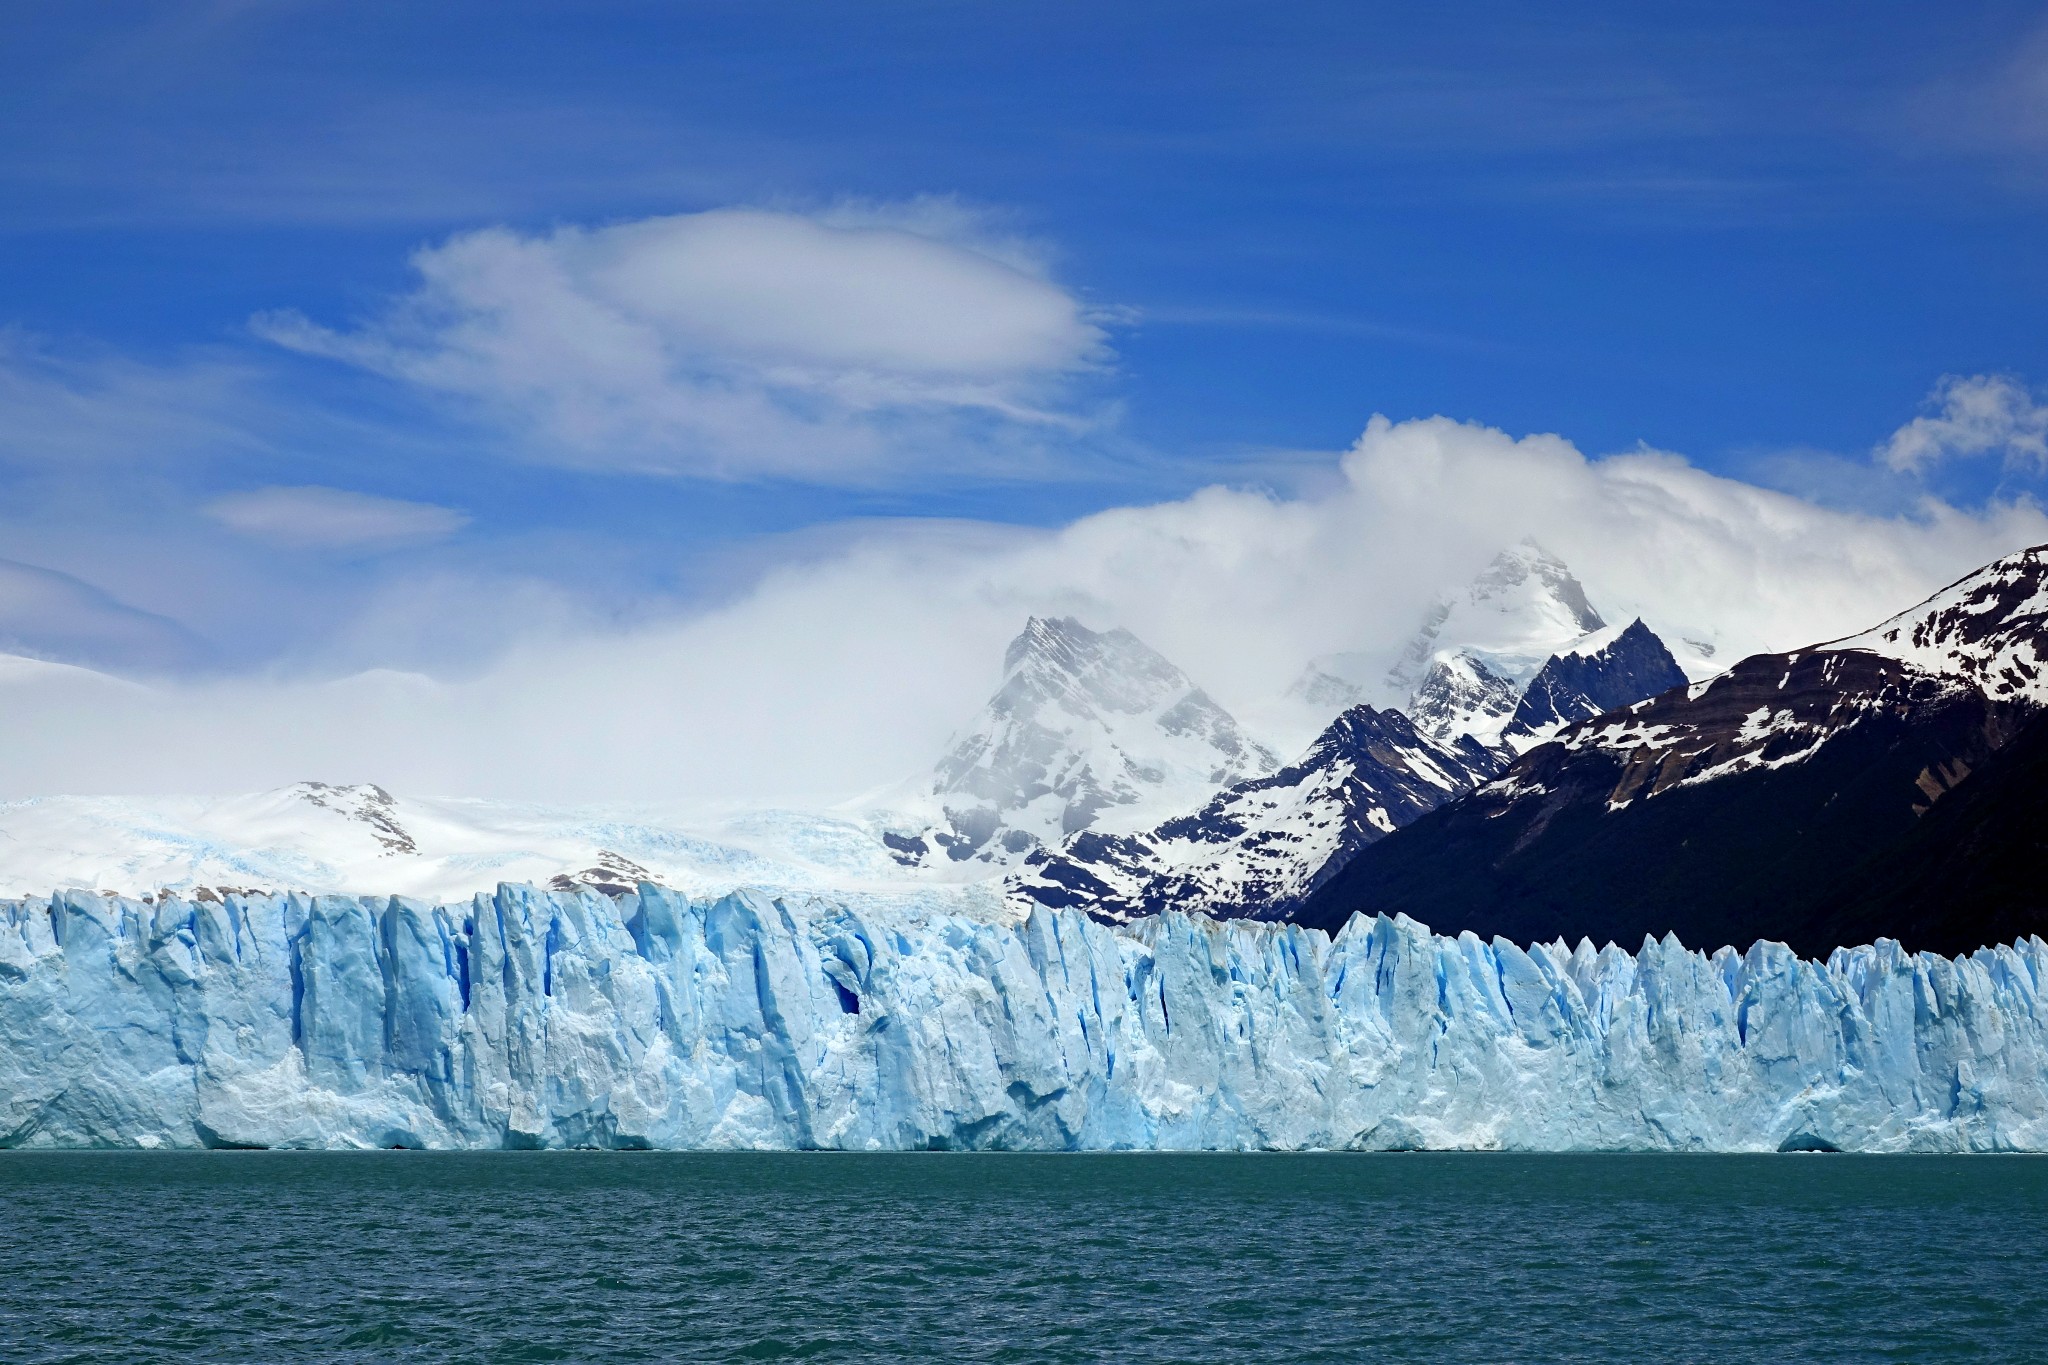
(532, 1018)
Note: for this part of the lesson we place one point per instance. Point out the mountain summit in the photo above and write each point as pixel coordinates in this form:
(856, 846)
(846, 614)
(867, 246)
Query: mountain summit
(1465, 670)
(1087, 728)
(1988, 628)
(1605, 671)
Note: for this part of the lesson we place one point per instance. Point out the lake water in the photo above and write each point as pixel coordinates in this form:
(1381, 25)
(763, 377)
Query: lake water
(274, 1256)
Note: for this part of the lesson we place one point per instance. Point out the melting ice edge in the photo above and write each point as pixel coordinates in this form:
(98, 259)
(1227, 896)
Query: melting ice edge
(532, 1018)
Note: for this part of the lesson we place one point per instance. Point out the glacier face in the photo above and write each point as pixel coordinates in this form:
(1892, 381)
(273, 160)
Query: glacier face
(535, 1018)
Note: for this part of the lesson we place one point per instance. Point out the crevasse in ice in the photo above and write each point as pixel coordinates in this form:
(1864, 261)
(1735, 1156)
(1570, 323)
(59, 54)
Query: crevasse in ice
(537, 1019)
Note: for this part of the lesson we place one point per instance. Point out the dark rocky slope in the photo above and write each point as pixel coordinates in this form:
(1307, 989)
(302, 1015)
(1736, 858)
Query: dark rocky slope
(1881, 786)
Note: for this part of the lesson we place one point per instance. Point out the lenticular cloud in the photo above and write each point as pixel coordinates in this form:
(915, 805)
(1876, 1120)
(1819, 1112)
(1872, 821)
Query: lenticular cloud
(739, 343)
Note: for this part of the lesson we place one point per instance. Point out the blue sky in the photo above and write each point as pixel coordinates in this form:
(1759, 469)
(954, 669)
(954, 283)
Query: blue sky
(1200, 242)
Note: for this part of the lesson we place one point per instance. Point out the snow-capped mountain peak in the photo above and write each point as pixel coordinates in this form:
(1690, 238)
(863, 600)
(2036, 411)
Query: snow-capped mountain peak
(1087, 728)
(1261, 846)
(1521, 609)
(1058, 662)
(1466, 670)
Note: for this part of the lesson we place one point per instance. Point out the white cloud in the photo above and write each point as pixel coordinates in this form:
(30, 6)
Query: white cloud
(847, 670)
(1981, 414)
(333, 518)
(849, 345)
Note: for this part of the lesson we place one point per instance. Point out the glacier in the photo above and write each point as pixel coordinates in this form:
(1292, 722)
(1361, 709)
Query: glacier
(537, 1018)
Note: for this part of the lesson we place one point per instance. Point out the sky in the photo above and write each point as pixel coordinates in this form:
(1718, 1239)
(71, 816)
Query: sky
(541, 379)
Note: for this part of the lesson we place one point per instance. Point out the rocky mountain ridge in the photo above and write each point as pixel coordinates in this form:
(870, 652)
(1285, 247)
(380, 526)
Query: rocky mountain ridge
(1742, 806)
(1263, 847)
(1259, 848)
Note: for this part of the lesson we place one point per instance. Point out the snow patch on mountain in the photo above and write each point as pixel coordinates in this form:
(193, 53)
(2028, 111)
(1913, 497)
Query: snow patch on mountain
(1261, 847)
(1989, 628)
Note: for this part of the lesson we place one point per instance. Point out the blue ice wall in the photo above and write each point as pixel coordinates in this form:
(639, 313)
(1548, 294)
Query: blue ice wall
(534, 1019)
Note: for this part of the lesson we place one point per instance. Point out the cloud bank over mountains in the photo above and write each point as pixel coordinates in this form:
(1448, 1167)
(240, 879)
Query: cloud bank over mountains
(914, 348)
(848, 671)
(55, 617)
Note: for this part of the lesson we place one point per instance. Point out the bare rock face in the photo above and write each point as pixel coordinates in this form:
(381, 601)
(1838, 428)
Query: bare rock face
(1601, 675)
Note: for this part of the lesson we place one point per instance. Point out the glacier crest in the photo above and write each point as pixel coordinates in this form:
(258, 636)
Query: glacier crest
(532, 1018)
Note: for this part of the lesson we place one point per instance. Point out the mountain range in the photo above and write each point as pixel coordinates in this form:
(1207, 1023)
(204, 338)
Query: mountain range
(1521, 767)
(1263, 846)
(1098, 775)
(1877, 786)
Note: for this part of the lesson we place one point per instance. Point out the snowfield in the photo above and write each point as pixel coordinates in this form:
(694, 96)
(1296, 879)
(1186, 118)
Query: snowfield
(317, 837)
(530, 1018)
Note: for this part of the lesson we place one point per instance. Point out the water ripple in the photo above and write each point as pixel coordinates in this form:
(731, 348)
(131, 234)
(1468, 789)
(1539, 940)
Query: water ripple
(660, 1257)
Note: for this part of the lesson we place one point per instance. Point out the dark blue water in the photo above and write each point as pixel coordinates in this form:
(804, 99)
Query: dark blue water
(509, 1257)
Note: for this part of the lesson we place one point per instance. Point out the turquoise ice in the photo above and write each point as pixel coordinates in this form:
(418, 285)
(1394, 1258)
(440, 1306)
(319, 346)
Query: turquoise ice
(530, 1018)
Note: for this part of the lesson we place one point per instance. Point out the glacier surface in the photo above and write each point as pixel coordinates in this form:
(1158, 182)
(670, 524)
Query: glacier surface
(530, 1018)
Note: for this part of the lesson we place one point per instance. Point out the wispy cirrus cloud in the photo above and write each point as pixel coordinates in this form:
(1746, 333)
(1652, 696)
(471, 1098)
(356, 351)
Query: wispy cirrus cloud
(852, 345)
(64, 408)
(1996, 104)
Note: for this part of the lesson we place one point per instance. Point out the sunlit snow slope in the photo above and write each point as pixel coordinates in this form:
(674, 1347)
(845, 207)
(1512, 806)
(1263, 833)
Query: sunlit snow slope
(317, 837)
